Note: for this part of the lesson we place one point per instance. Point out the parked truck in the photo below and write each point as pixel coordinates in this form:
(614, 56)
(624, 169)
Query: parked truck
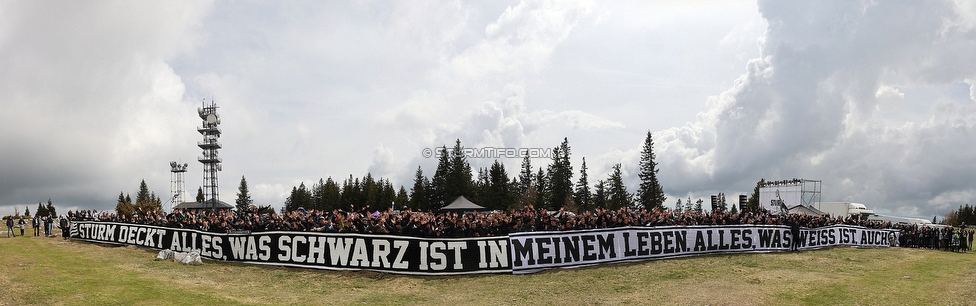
(904, 220)
(844, 209)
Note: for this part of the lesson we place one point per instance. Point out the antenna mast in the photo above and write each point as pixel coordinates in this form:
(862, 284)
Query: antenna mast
(176, 185)
(211, 162)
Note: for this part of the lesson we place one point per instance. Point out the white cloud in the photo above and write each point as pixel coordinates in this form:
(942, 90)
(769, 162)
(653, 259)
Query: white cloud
(889, 97)
(809, 106)
(972, 90)
(88, 89)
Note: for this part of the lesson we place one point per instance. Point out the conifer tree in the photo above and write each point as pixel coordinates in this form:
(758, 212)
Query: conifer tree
(122, 208)
(244, 200)
(146, 201)
(619, 197)
(600, 194)
(387, 195)
(349, 194)
(560, 176)
(200, 197)
(650, 194)
(722, 205)
(524, 183)
(331, 195)
(541, 189)
(300, 197)
(143, 195)
(479, 191)
(753, 204)
(401, 199)
(582, 194)
(318, 194)
(439, 180)
(155, 204)
(419, 198)
(459, 181)
(370, 192)
(42, 211)
(498, 192)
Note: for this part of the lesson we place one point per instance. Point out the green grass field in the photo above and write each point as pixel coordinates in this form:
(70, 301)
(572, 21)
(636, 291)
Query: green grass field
(50, 271)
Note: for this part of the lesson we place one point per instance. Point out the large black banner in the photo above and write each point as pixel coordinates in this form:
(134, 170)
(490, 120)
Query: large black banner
(394, 254)
(517, 253)
(535, 251)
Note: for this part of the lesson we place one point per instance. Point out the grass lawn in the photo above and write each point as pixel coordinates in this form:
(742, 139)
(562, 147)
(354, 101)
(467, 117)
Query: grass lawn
(50, 271)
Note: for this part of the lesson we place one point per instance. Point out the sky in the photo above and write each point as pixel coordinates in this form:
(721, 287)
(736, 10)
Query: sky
(877, 99)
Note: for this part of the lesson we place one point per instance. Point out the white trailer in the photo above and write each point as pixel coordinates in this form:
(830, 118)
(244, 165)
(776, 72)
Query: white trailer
(904, 220)
(845, 209)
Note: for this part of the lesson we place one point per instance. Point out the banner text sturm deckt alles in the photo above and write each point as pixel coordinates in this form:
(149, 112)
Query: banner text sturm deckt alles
(519, 252)
(396, 254)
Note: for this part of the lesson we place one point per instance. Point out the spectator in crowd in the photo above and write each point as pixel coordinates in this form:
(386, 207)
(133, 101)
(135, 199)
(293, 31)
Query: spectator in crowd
(10, 228)
(795, 233)
(963, 240)
(48, 225)
(65, 227)
(21, 223)
(970, 240)
(36, 225)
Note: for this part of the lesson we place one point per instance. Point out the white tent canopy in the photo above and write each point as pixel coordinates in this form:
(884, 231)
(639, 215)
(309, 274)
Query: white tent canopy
(463, 204)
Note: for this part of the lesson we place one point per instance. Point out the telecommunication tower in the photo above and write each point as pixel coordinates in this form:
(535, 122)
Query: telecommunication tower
(211, 162)
(176, 186)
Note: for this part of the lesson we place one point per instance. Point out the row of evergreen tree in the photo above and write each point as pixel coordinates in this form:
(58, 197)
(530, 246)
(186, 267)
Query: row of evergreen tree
(355, 193)
(146, 201)
(551, 187)
(42, 210)
(964, 215)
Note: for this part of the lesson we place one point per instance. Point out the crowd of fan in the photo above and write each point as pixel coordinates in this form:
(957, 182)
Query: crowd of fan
(453, 224)
(939, 238)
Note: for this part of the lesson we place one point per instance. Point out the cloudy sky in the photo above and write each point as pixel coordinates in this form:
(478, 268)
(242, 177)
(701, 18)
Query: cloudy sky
(874, 98)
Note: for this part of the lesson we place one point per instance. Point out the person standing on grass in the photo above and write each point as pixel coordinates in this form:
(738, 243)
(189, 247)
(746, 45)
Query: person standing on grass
(963, 245)
(48, 226)
(36, 225)
(971, 233)
(10, 228)
(65, 228)
(20, 224)
(795, 236)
